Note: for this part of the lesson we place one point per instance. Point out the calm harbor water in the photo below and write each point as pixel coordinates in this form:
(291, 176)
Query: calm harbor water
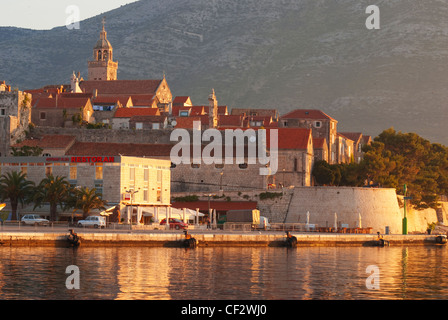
(225, 273)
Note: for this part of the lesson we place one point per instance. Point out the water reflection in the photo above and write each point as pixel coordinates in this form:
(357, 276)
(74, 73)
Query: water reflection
(224, 273)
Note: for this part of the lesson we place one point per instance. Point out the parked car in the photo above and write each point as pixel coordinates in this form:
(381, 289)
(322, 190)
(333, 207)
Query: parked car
(93, 221)
(34, 219)
(175, 224)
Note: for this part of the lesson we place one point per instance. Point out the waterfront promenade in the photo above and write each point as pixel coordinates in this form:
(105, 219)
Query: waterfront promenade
(57, 236)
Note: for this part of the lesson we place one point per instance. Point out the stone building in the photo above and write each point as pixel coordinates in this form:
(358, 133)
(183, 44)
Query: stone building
(122, 117)
(295, 157)
(116, 177)
(62, 111)
(102, 67)
(15, 117)
(55, 145)
(320, 149)
(148, 122)
(159, 90)
(345, 149)
(321, 124)
(359, 141)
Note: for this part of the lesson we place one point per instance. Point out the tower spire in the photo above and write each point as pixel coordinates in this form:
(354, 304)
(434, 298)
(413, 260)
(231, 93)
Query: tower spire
(103, 67)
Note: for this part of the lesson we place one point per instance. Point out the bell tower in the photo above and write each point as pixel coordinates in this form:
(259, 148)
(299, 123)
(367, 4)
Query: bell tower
(103, 67)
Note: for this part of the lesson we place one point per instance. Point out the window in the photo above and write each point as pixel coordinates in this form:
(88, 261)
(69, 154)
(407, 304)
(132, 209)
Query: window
(99, 187)
(139, 125)
(159, 196)
(317, 124)
(146, 175)
(43, 116)
(2, 112)
(131, 176)
(145, 195)
(73, 172)
(159, 176)
(285, 123)
(99, 173)
(156, 126)
(183, 114)
(48, 171)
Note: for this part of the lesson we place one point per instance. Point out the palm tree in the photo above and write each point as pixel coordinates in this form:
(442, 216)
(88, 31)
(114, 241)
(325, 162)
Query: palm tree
(52, 190)
(15, 187)
(86, 199)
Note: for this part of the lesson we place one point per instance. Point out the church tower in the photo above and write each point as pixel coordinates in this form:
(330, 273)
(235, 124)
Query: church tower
(213, 110)
(103, 67)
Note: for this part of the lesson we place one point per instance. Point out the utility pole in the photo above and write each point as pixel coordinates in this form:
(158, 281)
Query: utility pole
(405, 220)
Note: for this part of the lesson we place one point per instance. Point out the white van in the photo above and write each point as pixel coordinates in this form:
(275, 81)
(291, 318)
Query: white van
(93, 221)
(264, 223)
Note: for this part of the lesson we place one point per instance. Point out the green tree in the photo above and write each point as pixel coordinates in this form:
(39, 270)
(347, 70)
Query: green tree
(323, 173)
(15, 187)
(397, 158)
(86, 199)
(52, 190)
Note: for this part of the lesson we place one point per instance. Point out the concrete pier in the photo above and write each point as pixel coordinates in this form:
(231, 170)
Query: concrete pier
(208, 239)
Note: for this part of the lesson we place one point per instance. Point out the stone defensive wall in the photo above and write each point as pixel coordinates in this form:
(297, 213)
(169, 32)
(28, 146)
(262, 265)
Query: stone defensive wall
(378, 208)
(216, 239)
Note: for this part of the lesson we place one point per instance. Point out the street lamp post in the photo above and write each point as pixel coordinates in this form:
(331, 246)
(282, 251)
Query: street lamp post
(405, 219)
(132, 192)
(220, 181)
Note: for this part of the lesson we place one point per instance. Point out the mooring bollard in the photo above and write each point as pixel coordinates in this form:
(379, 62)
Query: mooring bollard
(189, 242)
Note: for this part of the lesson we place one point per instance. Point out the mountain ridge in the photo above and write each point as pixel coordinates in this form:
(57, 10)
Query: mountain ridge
(286, 54)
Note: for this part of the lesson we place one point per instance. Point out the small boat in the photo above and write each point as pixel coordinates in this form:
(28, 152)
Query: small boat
(73, 239)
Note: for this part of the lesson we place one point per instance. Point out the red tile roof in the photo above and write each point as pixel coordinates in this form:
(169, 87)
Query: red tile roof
(115, 87)
(130, 112)
(181, 100)
(291, 138)
(152, 119)
(307, 114)
(143, 99)
(124, 149)
(177, 109)
(49, 142)
(343, 136)
(355, 136)
(218, 205)
(231, 121)
(319, 143)
(61, 103)
(124, 100)
(187, 122)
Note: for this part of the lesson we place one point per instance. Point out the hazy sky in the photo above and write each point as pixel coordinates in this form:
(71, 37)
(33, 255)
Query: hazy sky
(47, 14)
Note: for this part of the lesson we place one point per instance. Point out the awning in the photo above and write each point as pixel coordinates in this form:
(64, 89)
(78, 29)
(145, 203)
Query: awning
(108, 211)
(175, 213)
